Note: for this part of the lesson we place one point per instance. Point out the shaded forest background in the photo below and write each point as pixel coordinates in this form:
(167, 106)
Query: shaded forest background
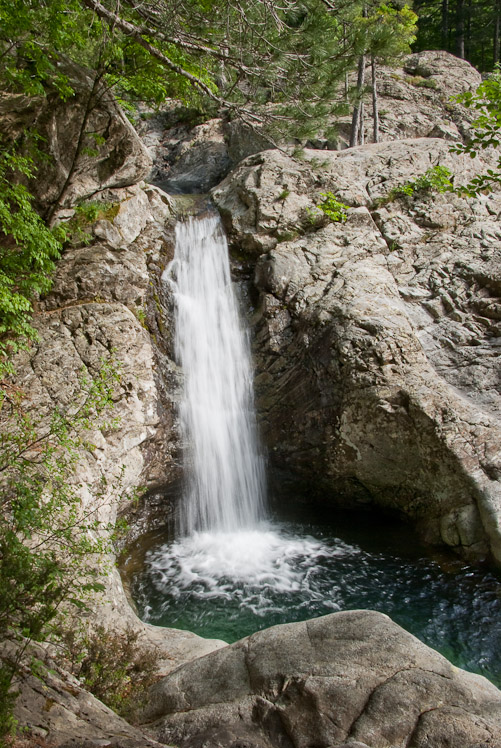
(469, 29)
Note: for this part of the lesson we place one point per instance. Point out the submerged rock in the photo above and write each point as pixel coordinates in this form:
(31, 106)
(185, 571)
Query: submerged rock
(347, 679)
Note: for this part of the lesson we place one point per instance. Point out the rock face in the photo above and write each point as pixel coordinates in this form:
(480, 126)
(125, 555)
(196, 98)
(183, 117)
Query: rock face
(376, 340)
(188, 158)
(415, 100)
(106, 297)
(119, 160)
(348, 679)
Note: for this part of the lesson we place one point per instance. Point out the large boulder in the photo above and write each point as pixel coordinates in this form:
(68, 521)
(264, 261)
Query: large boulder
(376, 340)
(87, 141)
(348, 679)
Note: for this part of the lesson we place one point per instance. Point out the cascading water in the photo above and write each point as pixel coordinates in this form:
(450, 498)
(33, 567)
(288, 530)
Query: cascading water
(225, 472)
(231, 571)
(223, 535)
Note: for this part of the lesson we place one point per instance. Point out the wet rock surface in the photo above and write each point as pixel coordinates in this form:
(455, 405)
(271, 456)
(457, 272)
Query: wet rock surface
(347, 679)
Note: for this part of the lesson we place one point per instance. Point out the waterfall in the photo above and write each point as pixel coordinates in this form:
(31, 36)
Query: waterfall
(224, 470)
(226, 551)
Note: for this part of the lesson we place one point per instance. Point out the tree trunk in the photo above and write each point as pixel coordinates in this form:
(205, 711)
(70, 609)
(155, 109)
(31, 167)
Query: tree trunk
(90, 105)
(346, 83)
(467, 48)
(497, 27)
(375, 103)
(445, 24)
(460, 28)
(357, 110)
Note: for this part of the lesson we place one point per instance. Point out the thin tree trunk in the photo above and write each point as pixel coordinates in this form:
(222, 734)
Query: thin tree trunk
(361, 129)
(355, 120)
(89, 106)
(467, 50)
(445, 25)
(460, 28)
(375, 103)
(346, 84)
(497, 28)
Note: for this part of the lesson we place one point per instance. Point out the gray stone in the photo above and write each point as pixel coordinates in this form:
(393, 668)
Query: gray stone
(348, 679)
(120, 161)
(188, 158)
(376, 340)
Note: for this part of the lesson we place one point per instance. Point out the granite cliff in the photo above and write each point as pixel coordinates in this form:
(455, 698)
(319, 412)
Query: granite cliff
(377, 338)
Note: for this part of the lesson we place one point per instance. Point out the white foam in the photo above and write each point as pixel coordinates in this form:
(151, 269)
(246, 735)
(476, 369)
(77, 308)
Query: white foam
(255, 567)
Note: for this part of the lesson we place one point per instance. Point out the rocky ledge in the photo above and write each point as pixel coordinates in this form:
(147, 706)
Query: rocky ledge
(351, 679)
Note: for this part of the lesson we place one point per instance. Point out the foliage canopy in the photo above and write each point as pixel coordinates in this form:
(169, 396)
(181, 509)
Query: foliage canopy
(486, 132)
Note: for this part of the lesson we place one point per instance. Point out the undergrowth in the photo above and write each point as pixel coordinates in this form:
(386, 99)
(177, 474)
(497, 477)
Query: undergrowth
(114, 666)
(86, 213)
(435, 179)
(331, 207)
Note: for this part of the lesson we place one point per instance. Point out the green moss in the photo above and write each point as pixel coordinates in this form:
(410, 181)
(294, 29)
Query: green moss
(287, 236)
(420, 82)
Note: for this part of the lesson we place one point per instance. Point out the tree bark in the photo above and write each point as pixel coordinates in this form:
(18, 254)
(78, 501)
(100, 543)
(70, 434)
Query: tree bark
(468, 46)
(497, 28)
(445, 24)
(375, 102)
(460, 28)
(89, 107)
(357, 110)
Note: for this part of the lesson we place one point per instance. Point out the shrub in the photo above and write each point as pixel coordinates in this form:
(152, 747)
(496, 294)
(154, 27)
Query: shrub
(333, 208)
(436, 179)
(114, 667)
(49, 545)
(87, 212)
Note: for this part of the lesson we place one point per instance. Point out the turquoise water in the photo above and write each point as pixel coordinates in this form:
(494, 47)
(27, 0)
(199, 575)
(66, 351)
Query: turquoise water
(227, 587)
